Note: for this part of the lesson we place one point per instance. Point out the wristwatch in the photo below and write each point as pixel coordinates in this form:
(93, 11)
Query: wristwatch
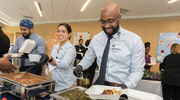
(51, 59)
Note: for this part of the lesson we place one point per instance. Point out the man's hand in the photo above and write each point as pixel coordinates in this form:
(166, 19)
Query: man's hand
(123, 86)
(44, 59)
(77, 71)
(6, 65)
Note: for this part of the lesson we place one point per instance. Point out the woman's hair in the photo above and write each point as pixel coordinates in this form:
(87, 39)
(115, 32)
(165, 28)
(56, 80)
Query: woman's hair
(87, 42)
(175, 48)
(68, 27)
(147, 44)
(1, 31)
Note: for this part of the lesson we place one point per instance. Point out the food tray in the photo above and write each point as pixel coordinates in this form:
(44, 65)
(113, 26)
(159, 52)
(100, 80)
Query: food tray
(95, 92)
(57, 94)
(43, 79)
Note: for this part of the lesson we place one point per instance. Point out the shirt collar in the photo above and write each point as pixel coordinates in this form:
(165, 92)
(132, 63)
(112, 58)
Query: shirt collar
(118, 33)
(64, 46)
(31, 36)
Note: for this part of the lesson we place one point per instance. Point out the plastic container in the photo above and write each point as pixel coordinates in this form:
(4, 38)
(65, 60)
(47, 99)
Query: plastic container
(16, 61)
(95, 92)
(140, 95)
(34, 57)
(27, 46)
(15, 58)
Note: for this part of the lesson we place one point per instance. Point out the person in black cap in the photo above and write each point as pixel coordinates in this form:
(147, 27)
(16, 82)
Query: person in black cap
(26, 27)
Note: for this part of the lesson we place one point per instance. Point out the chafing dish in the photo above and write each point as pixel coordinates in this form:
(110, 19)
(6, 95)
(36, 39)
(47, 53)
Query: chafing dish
(58, 95)
(25, 89)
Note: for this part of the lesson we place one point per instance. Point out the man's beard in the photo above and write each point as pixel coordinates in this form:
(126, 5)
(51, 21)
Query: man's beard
(114, 30)
(27, 36)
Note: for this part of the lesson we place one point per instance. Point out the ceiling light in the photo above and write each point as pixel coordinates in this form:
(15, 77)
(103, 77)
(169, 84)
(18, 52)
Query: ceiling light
(85, 5)
(5, 15)
(38, 6)
(4, 22)
(171, 1)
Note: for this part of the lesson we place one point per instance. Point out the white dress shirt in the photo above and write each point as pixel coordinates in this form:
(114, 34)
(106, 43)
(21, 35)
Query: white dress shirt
(126, 58)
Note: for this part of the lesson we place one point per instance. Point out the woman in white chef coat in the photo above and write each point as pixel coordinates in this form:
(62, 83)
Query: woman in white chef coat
(62, 58)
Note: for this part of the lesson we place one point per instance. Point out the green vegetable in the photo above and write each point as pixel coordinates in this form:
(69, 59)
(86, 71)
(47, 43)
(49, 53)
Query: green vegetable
(75, 94)
(152, 75)
(6, 83)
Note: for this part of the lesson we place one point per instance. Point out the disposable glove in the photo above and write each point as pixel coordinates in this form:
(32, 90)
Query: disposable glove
(44, 59)
(77, 71)
(25, 55)
(123, 86)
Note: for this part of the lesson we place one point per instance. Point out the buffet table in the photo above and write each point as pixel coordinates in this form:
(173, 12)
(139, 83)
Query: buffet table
(150, 87)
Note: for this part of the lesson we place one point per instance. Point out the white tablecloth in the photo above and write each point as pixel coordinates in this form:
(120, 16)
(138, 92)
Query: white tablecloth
(150, 87)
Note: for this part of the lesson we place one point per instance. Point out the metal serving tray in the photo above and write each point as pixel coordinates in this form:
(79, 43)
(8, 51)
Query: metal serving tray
(44, 79)
(57, 97)
(25, 88)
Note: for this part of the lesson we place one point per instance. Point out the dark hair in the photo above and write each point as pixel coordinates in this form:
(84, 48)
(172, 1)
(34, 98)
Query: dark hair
(147, 44)
(80, 39)
(68, 27)
(175, 48)
(1, 31)
(87, 42)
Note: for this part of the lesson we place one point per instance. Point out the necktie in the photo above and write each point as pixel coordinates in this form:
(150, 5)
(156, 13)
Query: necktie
(23, 59)
(101, 78)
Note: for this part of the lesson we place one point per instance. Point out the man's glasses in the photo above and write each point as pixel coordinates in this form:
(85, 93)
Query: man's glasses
(109, 21)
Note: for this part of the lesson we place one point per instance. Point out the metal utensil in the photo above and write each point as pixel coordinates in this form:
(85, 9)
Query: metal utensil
(25, 72)
(81, 76)
(29, 69)
(123, 97)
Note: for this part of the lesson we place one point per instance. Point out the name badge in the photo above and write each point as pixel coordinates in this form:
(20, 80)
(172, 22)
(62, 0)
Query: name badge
(116, 46)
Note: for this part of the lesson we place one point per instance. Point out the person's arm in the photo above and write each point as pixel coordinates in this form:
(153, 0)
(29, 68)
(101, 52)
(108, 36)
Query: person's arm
(162, 65)
(137, 64)
(15, 48)
(66, 60)
(6, 65)
(86, 62)
(5, 44)
(89, 56)
(41, 46)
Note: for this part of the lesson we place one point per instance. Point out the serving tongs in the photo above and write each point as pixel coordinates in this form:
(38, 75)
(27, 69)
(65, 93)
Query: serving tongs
(83, 81)
(80, 78)
(20, 76)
